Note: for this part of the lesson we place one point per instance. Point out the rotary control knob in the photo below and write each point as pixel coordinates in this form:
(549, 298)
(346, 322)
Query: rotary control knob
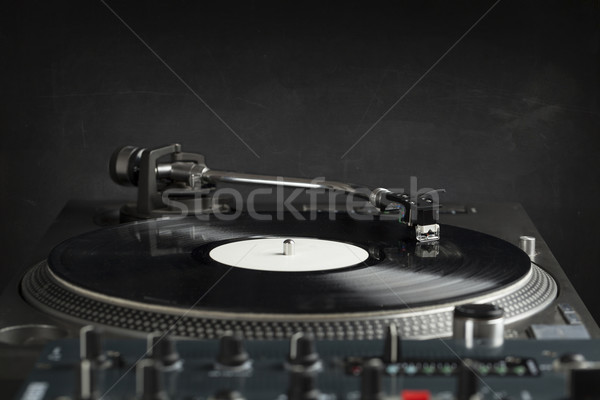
(572, 359)
(231, 351)
(227, 395)
(161, 347)
(90, 345)
(371, 380)
(479, 324)
(467, 381)
(149, 381)
(303, 353)
(302, 386)
(392, 347)
(87, 388)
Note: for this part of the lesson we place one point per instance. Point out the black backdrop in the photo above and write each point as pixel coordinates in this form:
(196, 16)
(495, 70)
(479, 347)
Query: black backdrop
(510, 113)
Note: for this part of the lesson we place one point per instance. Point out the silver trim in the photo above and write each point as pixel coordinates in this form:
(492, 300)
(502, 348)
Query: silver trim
(534, 292)
(177, 311)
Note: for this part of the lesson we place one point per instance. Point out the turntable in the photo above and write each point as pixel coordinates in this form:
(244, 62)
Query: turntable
(191, 260)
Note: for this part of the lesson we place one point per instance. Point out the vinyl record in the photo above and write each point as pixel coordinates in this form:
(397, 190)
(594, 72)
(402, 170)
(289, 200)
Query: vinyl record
(173, 263)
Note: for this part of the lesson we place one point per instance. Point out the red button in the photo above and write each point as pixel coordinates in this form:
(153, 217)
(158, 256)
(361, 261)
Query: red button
(415, 395)
(356, 370)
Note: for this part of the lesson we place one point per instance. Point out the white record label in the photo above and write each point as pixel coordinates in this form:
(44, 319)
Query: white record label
(309, 255)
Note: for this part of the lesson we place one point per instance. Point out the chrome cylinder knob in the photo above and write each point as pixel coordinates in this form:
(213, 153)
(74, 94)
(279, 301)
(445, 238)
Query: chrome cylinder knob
(527, 244)
(479, 325)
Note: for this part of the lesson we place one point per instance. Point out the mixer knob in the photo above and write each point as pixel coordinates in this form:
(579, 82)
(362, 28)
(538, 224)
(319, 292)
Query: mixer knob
(231, 351)
(479, 324)
(88, 381)
(302, 351)
(467, 381)
(90, 344)
(149, 384)
(227, 395)
(161, 347)
(371, 377)
(572, 359)
(302, 386)
(392, 348)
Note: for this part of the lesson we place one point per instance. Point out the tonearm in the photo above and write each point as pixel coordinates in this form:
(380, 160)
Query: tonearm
(168, 170)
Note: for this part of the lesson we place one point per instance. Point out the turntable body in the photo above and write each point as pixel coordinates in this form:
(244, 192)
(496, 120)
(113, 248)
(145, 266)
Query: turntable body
(24, 328)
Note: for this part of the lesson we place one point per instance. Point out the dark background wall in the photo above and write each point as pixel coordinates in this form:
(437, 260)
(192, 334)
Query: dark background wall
(511, 113)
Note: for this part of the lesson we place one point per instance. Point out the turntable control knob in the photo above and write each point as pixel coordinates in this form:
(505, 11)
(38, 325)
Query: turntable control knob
(371, 376)
(527, 244)
(572, 359)
(467, 381)
(88, 381)
(302, 350)
(479, 324)
(302, 386)
(161, 347)
(149, 384)
(392, 348)
(227, 395)
(90, 344)
(231, 351)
